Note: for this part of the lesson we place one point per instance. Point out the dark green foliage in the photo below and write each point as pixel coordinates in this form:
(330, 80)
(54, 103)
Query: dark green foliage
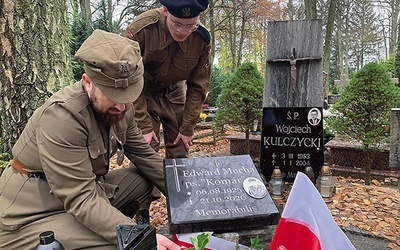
(389, 65)
(240, 102)
(81, 29)
(217, 78)
(103, 17)
(363, 110)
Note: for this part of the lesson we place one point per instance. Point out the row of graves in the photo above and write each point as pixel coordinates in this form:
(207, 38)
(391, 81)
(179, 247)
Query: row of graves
(231, 194)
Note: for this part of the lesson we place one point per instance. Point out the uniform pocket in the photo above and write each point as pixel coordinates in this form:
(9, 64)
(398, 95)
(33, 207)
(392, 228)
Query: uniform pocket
(96, 148)
(98, 157)
(184, 63)
(154, 60)
(176, 93)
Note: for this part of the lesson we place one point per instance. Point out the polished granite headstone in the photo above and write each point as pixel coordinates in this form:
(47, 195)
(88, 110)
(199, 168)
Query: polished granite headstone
(219, 194)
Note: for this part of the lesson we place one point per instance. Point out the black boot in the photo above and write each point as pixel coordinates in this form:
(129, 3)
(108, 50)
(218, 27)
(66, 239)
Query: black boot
(143, 217)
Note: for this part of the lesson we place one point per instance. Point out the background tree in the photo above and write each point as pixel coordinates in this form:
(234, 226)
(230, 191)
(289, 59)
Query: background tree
(104, 14)
(35, 60)
(389, 19)
(240, 31)
(217, 78)
(80, 29)
(240, 102)
(310, 8)
(328, 41)
(363, 110)
(397, 59)
(363, 25)
(343, 36)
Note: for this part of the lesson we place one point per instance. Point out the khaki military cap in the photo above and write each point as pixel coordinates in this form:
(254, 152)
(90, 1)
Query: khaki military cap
(114, 64)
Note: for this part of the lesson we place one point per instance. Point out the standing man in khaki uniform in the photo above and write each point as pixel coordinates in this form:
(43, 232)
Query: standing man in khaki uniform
(59, 179)
(177, 62)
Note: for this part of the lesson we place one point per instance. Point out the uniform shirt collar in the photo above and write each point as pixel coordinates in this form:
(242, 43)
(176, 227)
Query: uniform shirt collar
(165, 36)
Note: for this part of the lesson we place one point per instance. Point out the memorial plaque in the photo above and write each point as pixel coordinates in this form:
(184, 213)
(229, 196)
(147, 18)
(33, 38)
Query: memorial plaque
(219, 194)
(292, 139)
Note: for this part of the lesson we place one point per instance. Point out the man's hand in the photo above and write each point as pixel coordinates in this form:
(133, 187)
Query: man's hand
(148, 137)
(163, 243)
(187, 140)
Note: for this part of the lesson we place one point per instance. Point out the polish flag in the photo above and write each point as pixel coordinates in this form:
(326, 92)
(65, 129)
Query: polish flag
(306, 222)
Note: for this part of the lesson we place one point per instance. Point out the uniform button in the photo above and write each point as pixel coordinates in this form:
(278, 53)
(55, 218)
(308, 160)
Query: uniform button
(112, 137)
(98, 151)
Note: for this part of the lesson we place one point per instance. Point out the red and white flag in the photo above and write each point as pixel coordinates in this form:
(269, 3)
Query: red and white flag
(306, 222)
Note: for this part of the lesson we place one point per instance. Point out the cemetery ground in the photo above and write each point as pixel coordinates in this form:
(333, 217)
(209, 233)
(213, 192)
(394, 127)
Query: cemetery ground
(368, 214)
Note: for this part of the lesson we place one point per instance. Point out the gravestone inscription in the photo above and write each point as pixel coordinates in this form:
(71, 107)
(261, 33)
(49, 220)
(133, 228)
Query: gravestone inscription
(219, 194)
(292, 139)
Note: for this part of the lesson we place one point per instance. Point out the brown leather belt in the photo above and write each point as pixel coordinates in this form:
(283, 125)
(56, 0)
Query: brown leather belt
(20, 167)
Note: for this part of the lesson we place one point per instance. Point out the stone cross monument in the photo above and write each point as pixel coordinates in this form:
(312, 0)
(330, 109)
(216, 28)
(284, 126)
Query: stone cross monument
(292, 130)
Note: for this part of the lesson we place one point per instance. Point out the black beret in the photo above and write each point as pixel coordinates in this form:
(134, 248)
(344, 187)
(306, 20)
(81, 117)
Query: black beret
(185, 8)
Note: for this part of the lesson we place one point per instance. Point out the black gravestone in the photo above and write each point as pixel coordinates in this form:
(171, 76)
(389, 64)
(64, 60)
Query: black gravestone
(333, 98)
(219, 194)
(291, 139)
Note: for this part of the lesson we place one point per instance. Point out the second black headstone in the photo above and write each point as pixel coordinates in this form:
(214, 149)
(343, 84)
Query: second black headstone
(219, 194)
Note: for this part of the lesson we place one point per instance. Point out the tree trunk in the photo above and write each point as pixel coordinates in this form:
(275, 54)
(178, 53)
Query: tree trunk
(311, 9)
(367, 163)
(212, 27)
(35, 60)
(347, 38)
(85, 7)
(395, 5)
(247, 142)
(241, 39)
(328, 40)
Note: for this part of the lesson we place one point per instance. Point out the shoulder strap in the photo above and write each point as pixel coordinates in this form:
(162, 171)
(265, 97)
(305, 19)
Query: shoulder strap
(203, 32)
(143, 20)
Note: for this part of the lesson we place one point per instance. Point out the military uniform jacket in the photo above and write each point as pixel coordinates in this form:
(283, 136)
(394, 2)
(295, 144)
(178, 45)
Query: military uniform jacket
(167, 62)
(64, 140)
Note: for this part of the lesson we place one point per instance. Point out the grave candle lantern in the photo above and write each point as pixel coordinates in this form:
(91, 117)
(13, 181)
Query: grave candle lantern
(310, 173)
(325, 184)
(276, 184)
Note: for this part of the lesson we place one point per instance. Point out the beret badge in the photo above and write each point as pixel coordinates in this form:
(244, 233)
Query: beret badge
(186, 11)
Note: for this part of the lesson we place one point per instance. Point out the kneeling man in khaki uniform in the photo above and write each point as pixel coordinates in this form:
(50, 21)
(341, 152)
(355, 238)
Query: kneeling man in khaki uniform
(60, 178)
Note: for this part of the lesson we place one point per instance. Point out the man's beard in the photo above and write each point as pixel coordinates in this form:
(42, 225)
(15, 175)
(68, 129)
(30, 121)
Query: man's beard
(105, 118)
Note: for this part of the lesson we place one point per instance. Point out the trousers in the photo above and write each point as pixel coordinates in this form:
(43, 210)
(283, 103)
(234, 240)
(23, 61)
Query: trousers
(133, 190)
(166, 108)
